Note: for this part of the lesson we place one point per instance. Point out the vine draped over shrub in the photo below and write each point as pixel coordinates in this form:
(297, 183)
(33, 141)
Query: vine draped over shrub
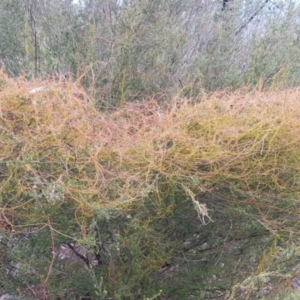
(124, 187)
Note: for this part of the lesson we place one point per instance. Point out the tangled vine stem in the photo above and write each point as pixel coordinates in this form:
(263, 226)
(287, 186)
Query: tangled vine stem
(72, 169)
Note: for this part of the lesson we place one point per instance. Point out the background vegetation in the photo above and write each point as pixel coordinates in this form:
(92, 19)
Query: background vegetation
(124, 51)
(149, 149)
